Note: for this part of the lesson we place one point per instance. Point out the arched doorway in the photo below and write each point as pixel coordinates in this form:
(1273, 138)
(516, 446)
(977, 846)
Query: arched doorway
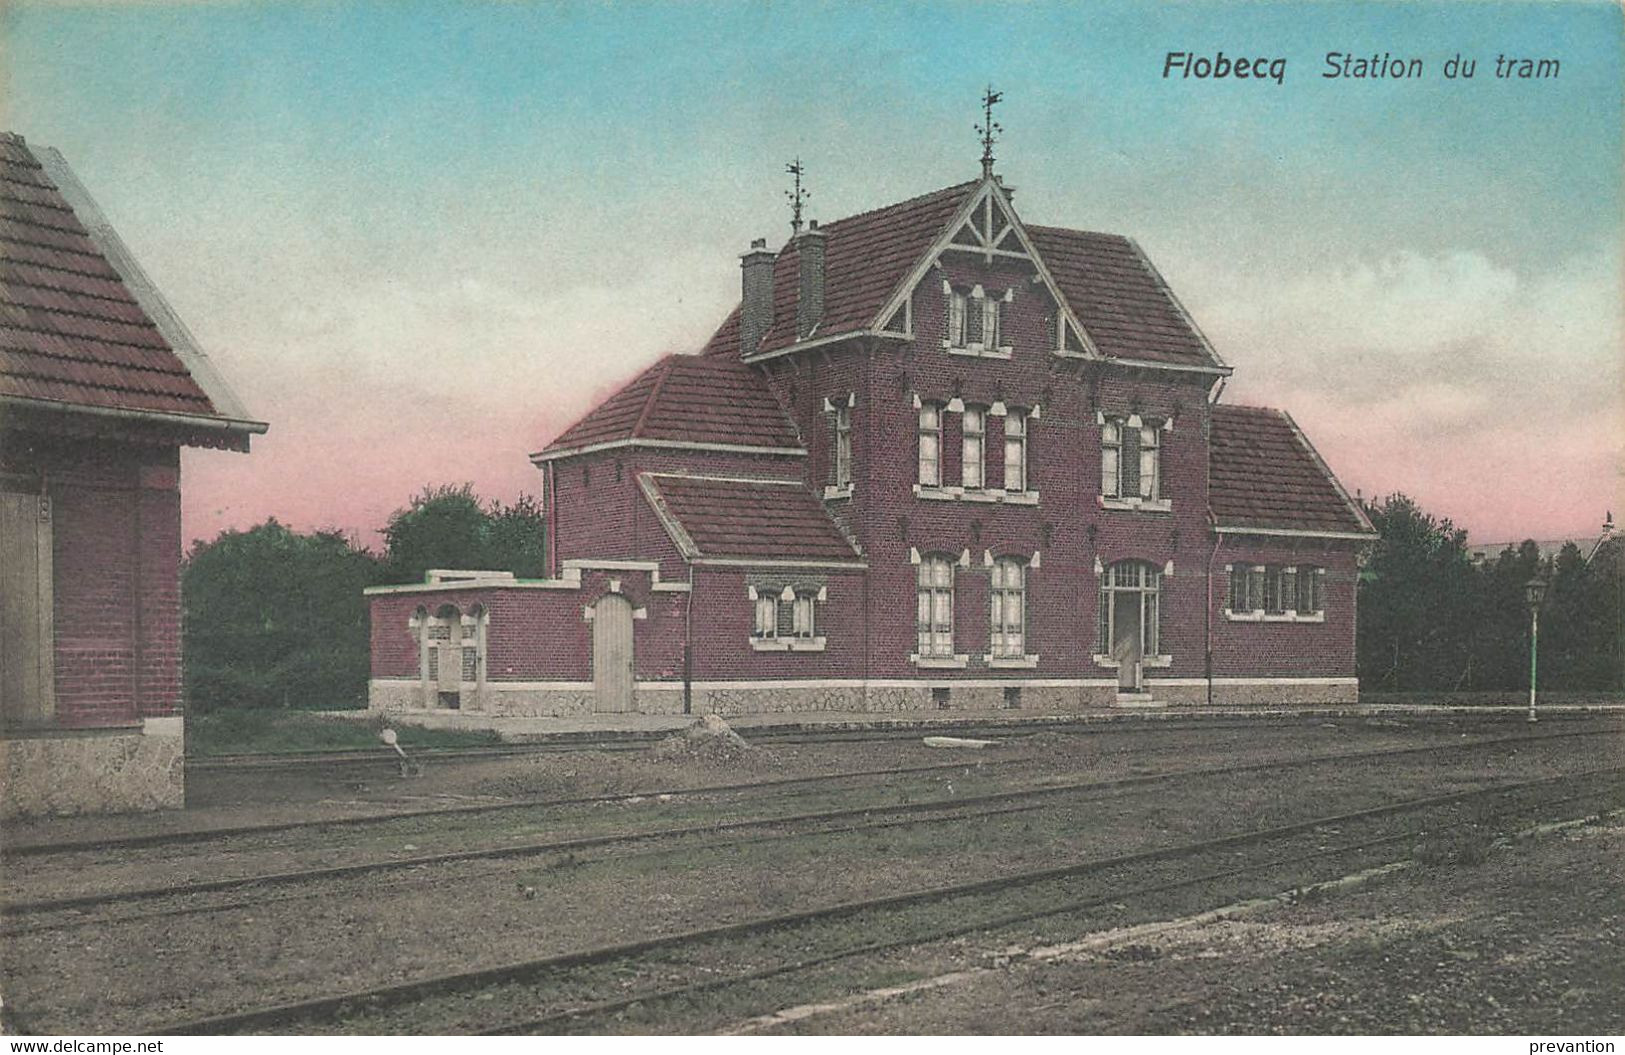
(1130, 595)
(446, 657)
(612, 653)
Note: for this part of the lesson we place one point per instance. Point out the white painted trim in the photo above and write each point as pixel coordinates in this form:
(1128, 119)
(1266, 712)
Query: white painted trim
(958, 661)
(921, 682)
(1359, 536)
(172, 725)
(800, 346)
(1257, 616)
(1026, 662)
(1141, 364)
(541, 457)
(668, 520)
(775, 481)
(1134, 504)
(837, 494)
(517, 584)
(788, 643)
(1189, 682)
(752, 562)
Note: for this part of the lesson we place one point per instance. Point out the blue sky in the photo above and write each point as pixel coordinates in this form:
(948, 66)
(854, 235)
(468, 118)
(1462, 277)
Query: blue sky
(474, 219)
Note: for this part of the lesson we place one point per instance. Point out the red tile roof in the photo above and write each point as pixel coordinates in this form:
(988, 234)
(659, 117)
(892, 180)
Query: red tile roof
(1264, 474)
(71, 330)
(866, 257)
(688, 398)
(723, 518)
(1121, 299)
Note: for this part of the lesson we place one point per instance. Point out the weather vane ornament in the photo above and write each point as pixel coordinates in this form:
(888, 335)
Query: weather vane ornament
(797, 197)
(989, 129)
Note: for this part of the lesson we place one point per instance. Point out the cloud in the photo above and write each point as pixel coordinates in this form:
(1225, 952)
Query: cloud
(1490, 393)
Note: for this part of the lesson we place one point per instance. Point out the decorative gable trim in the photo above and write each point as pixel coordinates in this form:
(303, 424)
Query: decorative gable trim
(990, 189)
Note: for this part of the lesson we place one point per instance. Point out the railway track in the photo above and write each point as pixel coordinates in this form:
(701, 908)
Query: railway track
(564, 985)
(209, 834)
(1128, 724)
(802, 825)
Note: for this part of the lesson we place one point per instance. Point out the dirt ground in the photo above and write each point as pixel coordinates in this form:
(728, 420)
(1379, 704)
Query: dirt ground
(142, 965)
(1530, 941)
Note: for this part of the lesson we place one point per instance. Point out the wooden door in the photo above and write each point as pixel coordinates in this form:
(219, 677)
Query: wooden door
(27, 678)
(612, 653)
(449, 667)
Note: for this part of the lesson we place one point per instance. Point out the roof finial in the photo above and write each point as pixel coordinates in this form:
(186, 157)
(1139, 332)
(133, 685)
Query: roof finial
(797, 197)
(989, 129)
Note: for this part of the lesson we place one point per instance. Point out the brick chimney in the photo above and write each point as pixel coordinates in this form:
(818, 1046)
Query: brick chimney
(810, 297)
(756, 295)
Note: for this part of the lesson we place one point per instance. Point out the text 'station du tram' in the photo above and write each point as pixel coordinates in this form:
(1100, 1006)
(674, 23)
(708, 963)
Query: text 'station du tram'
(1347, 66)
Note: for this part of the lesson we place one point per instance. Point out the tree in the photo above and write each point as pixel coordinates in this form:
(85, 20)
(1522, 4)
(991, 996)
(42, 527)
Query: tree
(1417, 602)
(446, 526)
(275, 618)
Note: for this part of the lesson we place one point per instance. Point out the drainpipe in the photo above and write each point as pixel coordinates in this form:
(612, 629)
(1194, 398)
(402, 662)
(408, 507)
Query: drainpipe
(550, 494)
(688, 645)
(1218, 540)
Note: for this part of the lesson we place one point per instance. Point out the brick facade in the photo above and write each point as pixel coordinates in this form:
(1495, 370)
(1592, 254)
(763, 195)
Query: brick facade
(1060, 527)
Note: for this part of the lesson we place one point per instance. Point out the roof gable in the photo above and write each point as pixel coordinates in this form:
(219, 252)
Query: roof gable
(715, 518)
(81, 327)
(685, 399)
(1265, 476)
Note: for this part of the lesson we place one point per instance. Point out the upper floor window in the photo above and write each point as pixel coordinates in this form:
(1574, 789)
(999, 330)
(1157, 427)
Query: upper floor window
(973, 429)
(1015, 451)
(935, 597)
(931, 445)
(1008, 618)
(1130, 459)
(843, 446)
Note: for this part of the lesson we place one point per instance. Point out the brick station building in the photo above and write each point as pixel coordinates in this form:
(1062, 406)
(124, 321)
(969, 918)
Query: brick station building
(100, 387)
(938, 458)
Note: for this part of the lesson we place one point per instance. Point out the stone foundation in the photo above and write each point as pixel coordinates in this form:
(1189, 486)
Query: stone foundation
(1243, 692)
(574, 699)
(94, 771)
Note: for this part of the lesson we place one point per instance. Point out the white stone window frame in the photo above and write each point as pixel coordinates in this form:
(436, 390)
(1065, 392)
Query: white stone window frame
(928, 427)
(1106, 617)
(1257, 576)
(1111, 483)
(973, 449)
(792, 642)
(960, 305)
(930, 651)
(958, 493)
(840, 411)
(1005, 658)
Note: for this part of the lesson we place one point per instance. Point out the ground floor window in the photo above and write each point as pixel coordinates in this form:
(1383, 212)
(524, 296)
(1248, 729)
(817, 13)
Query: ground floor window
(934, 595)
(1283, 591)
(1008, 616)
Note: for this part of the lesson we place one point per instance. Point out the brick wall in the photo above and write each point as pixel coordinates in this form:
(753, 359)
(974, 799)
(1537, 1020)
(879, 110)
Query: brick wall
(115, 511)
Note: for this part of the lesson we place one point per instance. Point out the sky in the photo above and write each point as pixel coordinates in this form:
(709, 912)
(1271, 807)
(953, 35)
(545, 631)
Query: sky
(422, 239)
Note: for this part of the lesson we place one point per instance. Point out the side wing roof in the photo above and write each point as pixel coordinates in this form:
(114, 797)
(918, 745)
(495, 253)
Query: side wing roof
(1266, 478)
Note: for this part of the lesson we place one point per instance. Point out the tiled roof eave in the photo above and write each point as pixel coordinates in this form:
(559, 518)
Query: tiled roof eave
(168, 417)
(820, 342)
(550, 455)
(1223, 528)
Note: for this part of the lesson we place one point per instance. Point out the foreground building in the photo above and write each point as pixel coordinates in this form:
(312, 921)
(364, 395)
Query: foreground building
(100, 387)
(938, 458)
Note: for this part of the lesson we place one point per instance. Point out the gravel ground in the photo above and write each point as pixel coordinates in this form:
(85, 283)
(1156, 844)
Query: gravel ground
(337, 936)
(1530, 941)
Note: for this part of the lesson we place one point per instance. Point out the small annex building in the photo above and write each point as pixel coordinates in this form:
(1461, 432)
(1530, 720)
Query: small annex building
(100, 386)
(938, 458)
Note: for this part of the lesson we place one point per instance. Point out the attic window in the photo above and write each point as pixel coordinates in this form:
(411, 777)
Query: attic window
(975, 321)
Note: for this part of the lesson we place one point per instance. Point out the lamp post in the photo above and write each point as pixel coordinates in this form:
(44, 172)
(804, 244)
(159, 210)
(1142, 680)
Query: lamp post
(1534, 591)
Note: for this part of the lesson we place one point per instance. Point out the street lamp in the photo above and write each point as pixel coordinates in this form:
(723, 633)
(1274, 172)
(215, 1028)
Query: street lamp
(1534, 591)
